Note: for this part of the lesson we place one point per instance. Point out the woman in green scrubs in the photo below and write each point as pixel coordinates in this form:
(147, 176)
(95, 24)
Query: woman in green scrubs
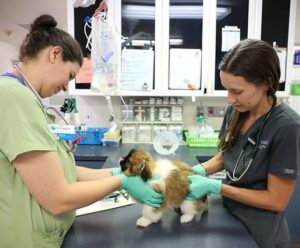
(40, 186)
(259, 146)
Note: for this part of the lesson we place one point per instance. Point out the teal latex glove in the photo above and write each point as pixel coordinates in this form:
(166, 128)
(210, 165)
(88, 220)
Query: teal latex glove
(199, 169)
(141, 191)
(200, 186)
(116, 171)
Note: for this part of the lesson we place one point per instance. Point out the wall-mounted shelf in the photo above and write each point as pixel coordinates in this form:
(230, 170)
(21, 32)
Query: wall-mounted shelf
(146, 120)
(152, 122)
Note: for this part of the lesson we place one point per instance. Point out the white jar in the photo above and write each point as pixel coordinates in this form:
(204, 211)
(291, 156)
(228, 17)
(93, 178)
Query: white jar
(144, 134)
(129, 134)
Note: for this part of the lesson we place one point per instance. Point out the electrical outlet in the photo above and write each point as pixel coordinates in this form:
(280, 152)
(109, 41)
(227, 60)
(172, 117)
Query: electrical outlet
(87, 118)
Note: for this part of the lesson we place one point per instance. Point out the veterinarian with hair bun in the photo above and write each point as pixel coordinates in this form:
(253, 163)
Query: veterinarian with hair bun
(259, 146)
(40, 185)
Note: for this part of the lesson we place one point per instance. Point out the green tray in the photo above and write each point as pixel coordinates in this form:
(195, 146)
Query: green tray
(202, 141)
(295, 89)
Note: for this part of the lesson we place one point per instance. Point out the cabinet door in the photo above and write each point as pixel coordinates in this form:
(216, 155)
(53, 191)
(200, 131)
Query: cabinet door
(231, 26)
(140, 59)
(77, 28)
(132, 19)
(281, 31)
(184, 53)
(260, 24)
(80, 32)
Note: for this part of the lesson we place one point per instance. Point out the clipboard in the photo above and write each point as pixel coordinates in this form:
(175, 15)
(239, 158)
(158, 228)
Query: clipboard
(106, 203)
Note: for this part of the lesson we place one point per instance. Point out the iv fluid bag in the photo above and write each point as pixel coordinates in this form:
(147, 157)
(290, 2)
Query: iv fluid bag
(106, 52)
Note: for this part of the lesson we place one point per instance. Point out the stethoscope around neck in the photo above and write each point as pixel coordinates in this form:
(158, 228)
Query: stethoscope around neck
(45, 108)
(254, 142)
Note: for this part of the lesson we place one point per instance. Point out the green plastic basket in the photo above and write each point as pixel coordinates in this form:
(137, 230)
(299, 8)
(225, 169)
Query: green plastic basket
(295, 89)
(202, 141)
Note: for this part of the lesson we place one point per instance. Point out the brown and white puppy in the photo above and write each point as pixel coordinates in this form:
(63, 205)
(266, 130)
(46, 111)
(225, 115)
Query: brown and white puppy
(168, 177)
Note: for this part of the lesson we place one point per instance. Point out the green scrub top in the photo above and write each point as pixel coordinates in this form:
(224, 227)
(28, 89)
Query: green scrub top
(23, 128)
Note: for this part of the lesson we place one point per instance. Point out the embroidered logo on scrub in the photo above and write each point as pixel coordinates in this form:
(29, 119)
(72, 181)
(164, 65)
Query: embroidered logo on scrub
(264, 142)
(288, 171)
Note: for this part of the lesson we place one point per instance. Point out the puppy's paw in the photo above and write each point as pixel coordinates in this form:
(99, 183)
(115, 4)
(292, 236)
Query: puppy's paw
(185, 218)
(143, 222)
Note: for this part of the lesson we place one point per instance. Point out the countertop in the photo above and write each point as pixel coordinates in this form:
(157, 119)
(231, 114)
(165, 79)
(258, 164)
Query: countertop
(112, 154)
(116, 228)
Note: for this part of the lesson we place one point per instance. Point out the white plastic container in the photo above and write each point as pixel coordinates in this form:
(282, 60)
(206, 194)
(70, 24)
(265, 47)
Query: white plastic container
(128, 134)
(204, 128)
(158, 129)
(177, 129)
(144, 134)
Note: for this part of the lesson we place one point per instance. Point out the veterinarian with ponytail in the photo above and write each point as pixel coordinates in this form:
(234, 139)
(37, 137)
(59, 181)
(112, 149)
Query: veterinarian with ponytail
(40, 185)
(259, 146)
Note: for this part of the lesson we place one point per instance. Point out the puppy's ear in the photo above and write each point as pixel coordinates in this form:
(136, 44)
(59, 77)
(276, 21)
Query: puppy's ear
(145, 173)
(131, 152)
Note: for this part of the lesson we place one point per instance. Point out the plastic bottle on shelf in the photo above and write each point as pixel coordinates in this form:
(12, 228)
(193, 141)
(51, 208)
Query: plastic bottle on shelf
(152, 114)
(203, 127)
(156, 117)
(129, 134)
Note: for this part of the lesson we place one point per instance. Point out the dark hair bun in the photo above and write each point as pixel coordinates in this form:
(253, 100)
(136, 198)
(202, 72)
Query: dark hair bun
(43, 22)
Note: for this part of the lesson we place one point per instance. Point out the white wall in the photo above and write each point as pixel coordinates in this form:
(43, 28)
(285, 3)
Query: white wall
(94, 110)
(8, 53)
(15, 13)
(297, 31)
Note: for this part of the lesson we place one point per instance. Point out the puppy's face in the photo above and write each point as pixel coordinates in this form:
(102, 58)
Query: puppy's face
(137, 163)
(125, 161)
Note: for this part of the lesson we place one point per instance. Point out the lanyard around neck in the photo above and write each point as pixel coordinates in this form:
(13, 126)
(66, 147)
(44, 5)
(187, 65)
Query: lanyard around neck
(27, 83)
(8, 74)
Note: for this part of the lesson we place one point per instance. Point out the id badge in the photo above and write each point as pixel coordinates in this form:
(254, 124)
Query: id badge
(63, 132)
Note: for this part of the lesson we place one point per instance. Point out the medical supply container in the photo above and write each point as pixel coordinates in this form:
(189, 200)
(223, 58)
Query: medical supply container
(91, 136)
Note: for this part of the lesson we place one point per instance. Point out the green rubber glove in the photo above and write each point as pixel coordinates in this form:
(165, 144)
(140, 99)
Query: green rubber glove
(199, 169)
(116, 171)
(141, 191)
(200, 186)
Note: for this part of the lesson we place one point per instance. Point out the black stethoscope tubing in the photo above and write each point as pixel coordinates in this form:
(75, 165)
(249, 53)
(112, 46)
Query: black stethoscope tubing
(253, 153)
